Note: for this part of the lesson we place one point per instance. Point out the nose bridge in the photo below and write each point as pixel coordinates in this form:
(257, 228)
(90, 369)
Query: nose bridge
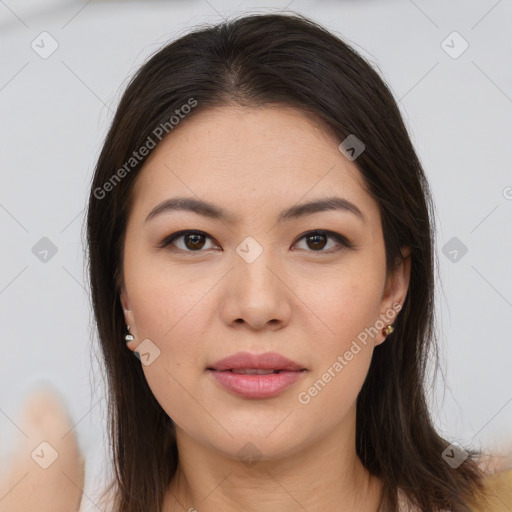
(252, 264)
(255, 292)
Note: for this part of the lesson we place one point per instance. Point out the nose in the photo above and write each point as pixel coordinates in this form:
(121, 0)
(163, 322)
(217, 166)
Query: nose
(257, 294)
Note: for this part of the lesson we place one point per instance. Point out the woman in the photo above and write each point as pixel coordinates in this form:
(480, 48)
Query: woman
(261, 238)
(272, 148)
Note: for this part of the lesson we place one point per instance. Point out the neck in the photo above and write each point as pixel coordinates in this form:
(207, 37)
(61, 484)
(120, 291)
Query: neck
(326, 475)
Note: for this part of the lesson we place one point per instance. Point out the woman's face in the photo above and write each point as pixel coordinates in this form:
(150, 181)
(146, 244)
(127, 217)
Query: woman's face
(254, 282)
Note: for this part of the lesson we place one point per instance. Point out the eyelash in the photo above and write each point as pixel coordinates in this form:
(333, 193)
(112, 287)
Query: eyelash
(329, 234)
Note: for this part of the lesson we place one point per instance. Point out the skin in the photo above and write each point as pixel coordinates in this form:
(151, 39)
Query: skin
(295, 299)
(54, 483)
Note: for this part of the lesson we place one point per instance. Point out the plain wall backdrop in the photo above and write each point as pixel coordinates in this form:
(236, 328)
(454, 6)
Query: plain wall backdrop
(64, 66)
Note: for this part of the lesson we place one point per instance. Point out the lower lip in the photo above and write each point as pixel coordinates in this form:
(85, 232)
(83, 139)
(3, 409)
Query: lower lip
(254, 385)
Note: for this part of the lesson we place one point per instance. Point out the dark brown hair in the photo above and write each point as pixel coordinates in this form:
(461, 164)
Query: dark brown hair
(254, 61)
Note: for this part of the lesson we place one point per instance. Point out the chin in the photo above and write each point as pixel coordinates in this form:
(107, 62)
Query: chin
(256, 444)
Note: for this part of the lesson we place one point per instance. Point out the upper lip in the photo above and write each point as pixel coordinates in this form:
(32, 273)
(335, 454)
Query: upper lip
(265, 361)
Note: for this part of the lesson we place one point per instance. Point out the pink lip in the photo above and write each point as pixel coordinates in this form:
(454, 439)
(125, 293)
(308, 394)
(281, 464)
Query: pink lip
(265, 361)
(254, 385)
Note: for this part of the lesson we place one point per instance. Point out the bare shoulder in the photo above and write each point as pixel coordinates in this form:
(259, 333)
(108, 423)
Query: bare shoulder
(496, 463)
(498, 483)
(498, 471)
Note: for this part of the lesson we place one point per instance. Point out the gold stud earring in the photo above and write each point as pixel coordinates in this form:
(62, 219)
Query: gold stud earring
(388, 330)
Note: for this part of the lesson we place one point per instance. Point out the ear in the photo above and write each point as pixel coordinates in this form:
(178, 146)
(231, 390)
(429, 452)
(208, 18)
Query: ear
(128, 318)
(396, 288)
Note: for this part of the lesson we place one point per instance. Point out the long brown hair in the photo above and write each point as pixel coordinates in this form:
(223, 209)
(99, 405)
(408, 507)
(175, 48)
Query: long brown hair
(259, 60)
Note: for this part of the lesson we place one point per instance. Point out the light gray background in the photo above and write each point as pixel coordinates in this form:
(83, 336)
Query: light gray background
(54, 115)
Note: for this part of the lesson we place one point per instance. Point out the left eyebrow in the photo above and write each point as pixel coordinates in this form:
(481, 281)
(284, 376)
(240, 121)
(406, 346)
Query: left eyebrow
(210, 210)
(322, 205)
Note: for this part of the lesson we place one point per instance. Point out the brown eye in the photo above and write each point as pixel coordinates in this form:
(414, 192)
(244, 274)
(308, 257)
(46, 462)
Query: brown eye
(191, 241)
(317, 240)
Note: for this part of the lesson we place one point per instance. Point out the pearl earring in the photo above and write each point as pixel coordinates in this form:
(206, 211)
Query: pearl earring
(128, 337)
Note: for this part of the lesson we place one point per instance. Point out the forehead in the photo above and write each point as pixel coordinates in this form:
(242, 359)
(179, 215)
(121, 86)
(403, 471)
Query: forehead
(250, 158)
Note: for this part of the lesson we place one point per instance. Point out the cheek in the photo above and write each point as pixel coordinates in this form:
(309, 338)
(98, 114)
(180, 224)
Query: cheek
(162, 298)
(354, 312)
(348, 308)
(347, 303)
(174, 321)
(174, 311)
(342, 358)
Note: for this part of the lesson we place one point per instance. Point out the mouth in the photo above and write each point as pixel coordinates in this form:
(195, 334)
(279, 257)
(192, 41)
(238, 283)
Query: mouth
(249, 363)
(255, 383)
(256, 376)
(254, 371)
